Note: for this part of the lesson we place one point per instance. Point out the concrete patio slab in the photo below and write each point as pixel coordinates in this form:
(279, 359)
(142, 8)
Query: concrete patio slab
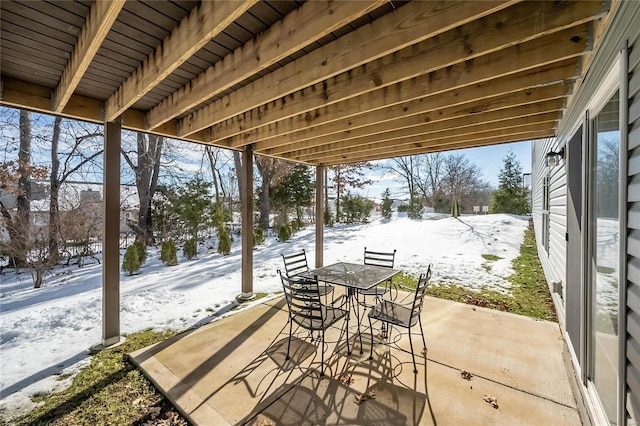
(234, 371)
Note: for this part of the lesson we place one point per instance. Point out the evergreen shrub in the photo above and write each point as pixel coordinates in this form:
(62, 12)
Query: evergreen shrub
(168, 253)
(190, 249)
(131, 261)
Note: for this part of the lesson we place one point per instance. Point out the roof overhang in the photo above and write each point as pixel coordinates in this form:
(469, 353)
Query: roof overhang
(318, 82)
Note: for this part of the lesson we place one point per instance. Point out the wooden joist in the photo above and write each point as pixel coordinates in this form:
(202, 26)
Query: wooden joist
(433, 108)
(398, 139)
(434, 146)
(437, 53)
(312, 21)
(408, 25)
(101, 17)
(501, 108)
(194, 31)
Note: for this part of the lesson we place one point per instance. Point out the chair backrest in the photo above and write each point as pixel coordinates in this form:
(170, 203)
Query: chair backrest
(303, 300)
(421, 291)
(378, 258)
(295, 263)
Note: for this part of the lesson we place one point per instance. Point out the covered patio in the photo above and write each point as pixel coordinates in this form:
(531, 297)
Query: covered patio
(233, 371)
(321, 83)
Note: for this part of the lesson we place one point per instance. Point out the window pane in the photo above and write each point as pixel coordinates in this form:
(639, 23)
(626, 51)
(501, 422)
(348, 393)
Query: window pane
(606, 255)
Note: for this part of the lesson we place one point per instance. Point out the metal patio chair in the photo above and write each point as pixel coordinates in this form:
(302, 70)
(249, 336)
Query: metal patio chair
(296, 263)
(384, 259)
(403, 315)
(308, 312)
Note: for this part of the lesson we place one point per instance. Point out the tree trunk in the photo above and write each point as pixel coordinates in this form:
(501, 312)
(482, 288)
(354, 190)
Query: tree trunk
(54, 208)
(214, 173)
(149, 151)
(265, 199)
(21, 221)
(237, 160)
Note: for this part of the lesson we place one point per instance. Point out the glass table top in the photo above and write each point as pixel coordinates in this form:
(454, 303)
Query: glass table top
(354, 275)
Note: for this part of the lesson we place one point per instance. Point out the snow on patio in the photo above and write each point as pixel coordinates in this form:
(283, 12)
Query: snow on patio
(47, 332)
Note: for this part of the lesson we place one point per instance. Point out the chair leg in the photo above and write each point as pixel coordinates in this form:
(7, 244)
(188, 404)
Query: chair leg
(371, 331)
(322, 356)
(424, 342)
(413, 357)
(359, 318)
(347, 331)
(289, 343)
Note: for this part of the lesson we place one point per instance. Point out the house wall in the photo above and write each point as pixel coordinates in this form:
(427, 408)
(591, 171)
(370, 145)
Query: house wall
(554, 259)
(633, 228)
(623, 31)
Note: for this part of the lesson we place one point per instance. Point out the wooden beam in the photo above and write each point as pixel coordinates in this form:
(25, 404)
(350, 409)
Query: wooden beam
(247, 222)
(21, 94)
(440, 52)
(303, 26)
(194, 31)
(530, 98)
(427, 93)
(461, 127)
(411, 23)
(102, 15)
(111, 235)
(503, 118)
(320, 173)
(434, 146)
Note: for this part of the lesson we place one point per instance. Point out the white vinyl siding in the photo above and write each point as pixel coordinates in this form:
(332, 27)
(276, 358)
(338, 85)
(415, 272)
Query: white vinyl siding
(624, 30)
(552, 257)
(633, 230)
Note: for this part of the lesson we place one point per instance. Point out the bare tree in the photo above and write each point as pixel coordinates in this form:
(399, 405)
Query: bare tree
(430, 181)
(348, 176)
(76, 155)
(406, 168)
(147, 170)
(18, 225)
(271, 172)
(214, 156)
(461, 177)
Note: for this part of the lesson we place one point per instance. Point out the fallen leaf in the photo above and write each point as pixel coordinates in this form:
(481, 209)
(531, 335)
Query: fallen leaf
(491, 400)
(359, 399)
(346, 379)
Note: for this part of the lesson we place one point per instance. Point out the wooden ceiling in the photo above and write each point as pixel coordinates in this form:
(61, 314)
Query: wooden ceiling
(320, 82)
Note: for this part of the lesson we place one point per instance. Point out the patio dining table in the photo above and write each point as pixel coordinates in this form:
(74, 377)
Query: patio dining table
(354, 277)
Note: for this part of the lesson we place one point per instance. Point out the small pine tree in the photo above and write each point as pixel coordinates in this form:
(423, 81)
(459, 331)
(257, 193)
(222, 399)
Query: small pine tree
(328, 218)
(142, 251)
(190, 249)
(284, 233)
(386, 204)
(258, 236)
(511, 196)
(415, 207)
(224, 241)
(131, 262)
(168, 253)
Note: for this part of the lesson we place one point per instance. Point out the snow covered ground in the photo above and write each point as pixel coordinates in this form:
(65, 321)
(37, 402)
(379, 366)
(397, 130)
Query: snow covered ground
(46, 332)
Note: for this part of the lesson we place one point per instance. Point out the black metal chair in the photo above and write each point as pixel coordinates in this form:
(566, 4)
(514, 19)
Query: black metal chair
(296, 263)
(308, 312)
(403, 315)
(384, 259)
